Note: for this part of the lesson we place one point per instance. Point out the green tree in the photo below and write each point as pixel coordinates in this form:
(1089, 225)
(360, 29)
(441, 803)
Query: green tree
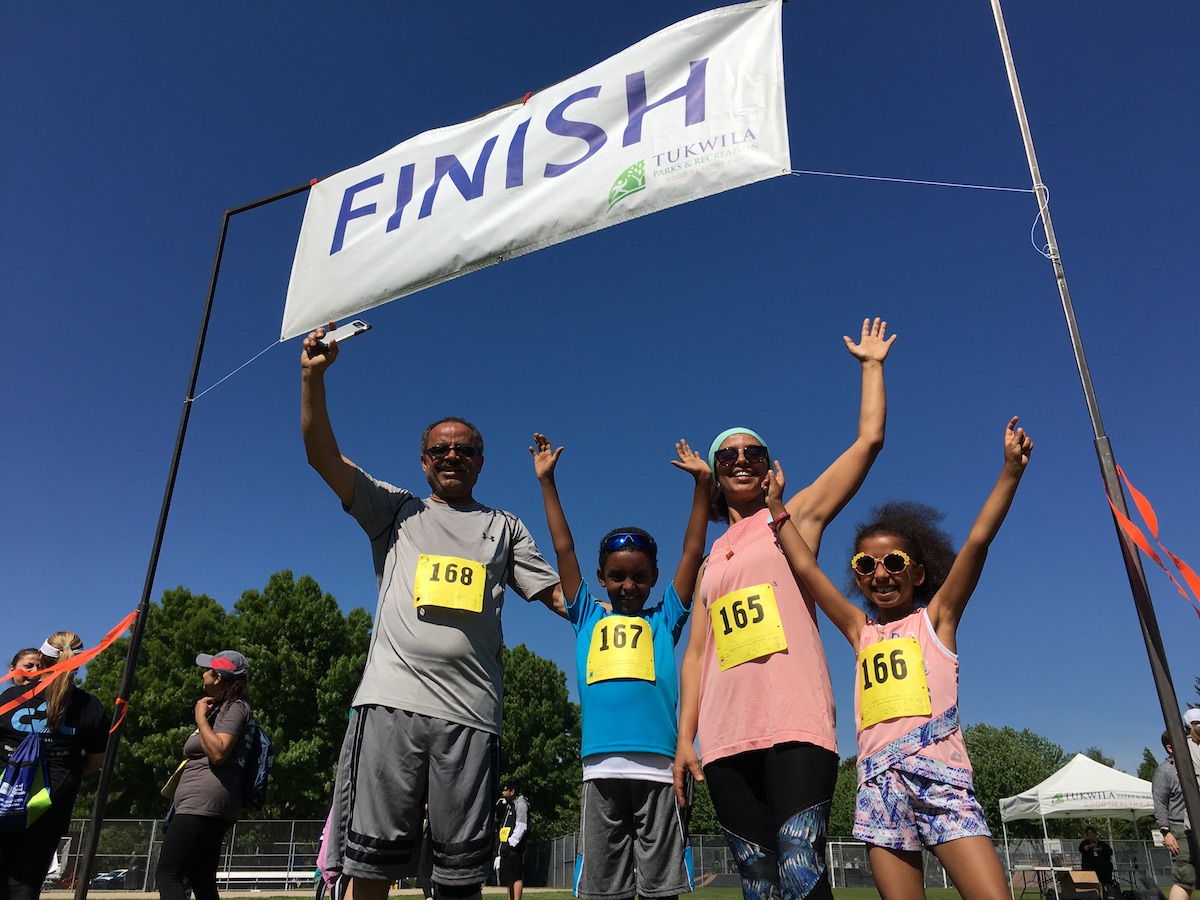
(845, 797)
(302, 653)
(1007, 762)
(1149, 765)
(540, 741)
(704, 816)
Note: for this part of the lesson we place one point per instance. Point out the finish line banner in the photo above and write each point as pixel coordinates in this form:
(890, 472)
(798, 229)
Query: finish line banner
(693, 110)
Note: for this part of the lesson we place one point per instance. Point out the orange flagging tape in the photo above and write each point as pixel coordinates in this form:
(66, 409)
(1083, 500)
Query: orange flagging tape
(1136, 535)
(122, 708)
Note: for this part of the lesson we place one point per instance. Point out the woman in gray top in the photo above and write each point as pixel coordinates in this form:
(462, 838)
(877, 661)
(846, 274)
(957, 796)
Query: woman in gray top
(208, 796)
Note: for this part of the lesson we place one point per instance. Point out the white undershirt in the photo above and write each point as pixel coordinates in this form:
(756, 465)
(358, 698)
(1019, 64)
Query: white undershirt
(628, 766)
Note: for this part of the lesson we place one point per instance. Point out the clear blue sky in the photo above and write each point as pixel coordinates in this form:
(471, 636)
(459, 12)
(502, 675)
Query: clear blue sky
(129, 128)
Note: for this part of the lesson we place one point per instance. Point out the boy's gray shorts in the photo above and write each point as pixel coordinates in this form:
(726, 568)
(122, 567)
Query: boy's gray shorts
(627, 825)
(391, 761)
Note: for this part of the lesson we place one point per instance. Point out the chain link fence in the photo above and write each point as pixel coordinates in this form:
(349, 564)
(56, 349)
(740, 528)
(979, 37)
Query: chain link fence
(281, 855)
(275, 855)
(1032, 864)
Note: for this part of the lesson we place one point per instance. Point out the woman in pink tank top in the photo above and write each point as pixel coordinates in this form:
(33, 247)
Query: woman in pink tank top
(754, 684)
(914, 778)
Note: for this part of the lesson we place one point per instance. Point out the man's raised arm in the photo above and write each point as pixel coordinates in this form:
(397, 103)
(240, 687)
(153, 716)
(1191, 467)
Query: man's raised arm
(319, 442)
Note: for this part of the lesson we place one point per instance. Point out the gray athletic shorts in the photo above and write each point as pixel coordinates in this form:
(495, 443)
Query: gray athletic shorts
(628, 826)
(391, 761)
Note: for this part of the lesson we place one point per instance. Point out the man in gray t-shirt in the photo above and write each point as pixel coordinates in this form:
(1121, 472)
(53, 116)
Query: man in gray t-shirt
(1170, 815)
(426, 719)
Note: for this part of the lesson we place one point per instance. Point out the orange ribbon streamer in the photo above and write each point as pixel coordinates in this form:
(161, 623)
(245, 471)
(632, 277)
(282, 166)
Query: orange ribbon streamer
(122, 706)
(1136, 535)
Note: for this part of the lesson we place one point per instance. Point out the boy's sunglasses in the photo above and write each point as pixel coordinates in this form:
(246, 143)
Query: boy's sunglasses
(895, 562)
(462, 451)
(624, 539)
(755, 453)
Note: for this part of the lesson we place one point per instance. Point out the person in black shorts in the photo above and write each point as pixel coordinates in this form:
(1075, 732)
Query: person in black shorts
(513, 833)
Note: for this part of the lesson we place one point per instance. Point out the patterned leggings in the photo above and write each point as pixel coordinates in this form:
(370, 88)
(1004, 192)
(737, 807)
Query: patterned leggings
(774, 807)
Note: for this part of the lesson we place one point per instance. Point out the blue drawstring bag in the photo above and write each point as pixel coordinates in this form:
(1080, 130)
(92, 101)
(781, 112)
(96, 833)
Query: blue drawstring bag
(25, 787)
(257, 759)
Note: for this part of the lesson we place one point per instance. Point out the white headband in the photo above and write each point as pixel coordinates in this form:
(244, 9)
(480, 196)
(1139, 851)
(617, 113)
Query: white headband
(47, 650)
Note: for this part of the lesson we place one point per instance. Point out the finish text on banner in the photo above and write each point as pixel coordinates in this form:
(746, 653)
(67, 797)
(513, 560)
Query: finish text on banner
(693, 110)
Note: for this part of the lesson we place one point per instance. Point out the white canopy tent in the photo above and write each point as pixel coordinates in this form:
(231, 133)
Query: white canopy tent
(1083, 788)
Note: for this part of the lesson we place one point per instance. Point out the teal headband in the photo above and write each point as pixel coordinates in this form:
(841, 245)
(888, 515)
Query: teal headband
(719, 439)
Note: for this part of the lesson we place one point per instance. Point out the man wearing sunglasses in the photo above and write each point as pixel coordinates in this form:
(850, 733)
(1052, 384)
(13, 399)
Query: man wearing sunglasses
(427, 714)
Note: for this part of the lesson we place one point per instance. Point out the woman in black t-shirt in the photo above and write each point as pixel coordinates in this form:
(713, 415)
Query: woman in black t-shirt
(74, 729)
(208, 797)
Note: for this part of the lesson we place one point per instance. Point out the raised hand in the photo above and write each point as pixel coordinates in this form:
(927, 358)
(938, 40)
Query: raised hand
(871, 345)
(691, 461)
(544, 457)
(1017, 445)
(314, 356)
(772, 486)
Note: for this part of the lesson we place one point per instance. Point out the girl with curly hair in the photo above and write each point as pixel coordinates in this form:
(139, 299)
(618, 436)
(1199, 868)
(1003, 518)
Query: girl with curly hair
(915, 786)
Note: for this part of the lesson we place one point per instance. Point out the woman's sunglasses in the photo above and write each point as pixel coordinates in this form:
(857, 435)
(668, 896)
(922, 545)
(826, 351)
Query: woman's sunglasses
(894, 562)
(755, 453)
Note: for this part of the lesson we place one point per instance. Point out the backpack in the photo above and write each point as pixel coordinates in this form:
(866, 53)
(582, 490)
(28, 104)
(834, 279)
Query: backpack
(256, 759)
(25, 785)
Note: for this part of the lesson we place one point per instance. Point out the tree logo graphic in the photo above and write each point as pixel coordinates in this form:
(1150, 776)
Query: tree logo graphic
(628, 182)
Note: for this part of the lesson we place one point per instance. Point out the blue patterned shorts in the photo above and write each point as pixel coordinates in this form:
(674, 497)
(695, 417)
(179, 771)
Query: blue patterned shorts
(903, 811)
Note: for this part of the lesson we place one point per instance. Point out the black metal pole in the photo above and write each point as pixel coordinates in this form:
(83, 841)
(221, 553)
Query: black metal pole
(91, 834)
(1108, 469)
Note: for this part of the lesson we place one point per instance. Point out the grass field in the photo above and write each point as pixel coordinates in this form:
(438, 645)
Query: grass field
(708, 893)
(718, 893)
(721, 893)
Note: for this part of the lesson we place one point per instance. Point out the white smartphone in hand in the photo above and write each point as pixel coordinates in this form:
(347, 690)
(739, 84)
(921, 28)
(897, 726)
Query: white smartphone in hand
(343, 333)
